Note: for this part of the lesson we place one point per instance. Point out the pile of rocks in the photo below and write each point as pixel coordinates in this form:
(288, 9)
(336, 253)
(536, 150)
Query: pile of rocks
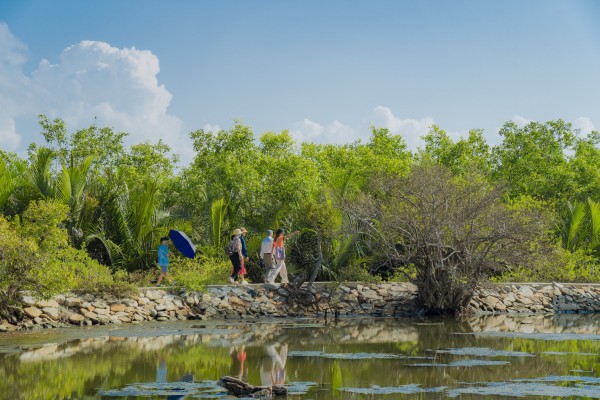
(87, 309)
(552, 298)
(257, 301)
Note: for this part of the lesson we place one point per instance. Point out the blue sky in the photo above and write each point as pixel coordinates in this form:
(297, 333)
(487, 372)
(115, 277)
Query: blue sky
(326, 70)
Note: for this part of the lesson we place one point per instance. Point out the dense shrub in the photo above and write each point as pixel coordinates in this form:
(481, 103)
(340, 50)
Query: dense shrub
(561, 266)
(196, 274)
(35, 255)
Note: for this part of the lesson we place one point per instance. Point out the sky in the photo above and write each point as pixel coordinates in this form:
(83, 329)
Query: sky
(325, 70)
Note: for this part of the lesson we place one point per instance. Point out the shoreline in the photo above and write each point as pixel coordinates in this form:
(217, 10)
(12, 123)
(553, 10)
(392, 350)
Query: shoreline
(260, 301)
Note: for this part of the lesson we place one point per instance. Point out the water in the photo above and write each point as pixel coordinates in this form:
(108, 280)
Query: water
(481, 358)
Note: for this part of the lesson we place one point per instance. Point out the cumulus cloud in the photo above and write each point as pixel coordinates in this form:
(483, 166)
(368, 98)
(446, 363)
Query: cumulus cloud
(9, 138)
(118, 86)
(584, 124)
(410, 129)
(334, 133)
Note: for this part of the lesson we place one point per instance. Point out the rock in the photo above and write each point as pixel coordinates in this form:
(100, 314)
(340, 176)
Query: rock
(59, 298)
(490, 301)
(525, 300)
(239, 388)
(237, 301)
(178, 303)
(51, 312)
(88, 297)
(102, 311)
(99, 304)
(90, 315)
(29, 301)
(32, 312)
(526, 291)
(6, 327)
(153, 295)
(47, 304)
(130, 303)
(73, 302)
(117, 308)
(567, 307)
(76, 318)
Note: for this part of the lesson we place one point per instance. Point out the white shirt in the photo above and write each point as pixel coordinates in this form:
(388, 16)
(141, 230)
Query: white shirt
(266, 246)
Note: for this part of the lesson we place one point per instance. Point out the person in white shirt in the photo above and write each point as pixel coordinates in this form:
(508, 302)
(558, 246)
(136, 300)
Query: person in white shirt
(266, 250)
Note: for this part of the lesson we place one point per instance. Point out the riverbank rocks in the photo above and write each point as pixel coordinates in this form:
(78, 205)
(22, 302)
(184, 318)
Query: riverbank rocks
(544, 298)
(267, 300)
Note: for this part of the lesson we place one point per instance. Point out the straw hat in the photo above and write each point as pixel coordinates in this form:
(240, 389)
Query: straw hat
(237, 232)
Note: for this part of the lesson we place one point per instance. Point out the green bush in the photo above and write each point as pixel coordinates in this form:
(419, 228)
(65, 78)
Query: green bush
(35, 255)
(196, 274)
(560, 266)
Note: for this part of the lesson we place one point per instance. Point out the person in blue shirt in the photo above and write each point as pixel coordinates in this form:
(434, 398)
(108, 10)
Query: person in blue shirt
(163, 259)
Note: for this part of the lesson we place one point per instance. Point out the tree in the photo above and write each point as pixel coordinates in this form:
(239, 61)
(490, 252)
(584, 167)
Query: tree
(460, 157)
(532, 160)
(454, 231)
(103, 144)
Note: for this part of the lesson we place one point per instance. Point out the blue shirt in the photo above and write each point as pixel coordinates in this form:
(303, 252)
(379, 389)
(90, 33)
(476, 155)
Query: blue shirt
(163, 258)
(244, 250)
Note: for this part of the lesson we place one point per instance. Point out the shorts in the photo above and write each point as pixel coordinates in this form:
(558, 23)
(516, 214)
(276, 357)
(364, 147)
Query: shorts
(164, 269)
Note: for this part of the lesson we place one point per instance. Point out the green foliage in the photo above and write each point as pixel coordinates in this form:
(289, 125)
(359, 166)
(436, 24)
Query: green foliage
(36, 255)
(564, 266)
(83, 191)
(533, 160)
(102, 144)
(217, 216)
(462, 156)
(195, 274)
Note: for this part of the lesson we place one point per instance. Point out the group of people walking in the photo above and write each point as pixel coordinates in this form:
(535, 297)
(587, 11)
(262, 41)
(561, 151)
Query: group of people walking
(272, 255)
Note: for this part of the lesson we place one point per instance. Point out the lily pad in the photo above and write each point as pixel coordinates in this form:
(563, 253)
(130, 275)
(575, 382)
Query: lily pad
(462, 363)
(483, 352)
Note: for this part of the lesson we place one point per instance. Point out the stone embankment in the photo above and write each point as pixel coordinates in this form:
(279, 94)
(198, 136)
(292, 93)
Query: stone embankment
(260, 301)
(538, 298)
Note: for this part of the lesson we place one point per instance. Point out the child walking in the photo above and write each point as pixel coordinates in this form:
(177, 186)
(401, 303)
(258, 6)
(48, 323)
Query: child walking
(163, 259)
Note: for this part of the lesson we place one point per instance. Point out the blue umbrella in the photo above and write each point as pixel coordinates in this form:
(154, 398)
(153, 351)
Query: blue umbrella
(182, 243)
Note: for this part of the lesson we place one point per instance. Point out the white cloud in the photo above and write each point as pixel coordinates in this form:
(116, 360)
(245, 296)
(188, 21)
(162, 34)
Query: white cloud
(334, 133)
(91, 79)
(520, 120)
(410, 129)
(9, 138)
(211, 128)
(584, 124)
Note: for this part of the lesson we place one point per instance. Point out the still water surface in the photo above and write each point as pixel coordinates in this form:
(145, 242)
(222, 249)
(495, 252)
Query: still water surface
(480, 358)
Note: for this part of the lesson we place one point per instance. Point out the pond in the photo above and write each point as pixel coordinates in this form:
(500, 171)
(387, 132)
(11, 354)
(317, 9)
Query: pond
(478, 358)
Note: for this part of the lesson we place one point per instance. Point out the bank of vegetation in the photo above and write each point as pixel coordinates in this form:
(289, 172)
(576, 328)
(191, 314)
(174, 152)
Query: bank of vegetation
(85, 212)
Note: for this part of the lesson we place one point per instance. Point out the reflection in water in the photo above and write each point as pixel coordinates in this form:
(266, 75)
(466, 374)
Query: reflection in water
(238, 357)
(272, 372)
(355, 358)
(161, 379)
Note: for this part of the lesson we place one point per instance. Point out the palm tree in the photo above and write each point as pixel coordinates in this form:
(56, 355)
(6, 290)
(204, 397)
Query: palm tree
(582, 229)
(11, 178)
(128, 224)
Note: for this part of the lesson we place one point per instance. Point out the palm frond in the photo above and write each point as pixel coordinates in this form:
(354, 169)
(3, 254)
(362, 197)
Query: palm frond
(218, 209)
(575, 225)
